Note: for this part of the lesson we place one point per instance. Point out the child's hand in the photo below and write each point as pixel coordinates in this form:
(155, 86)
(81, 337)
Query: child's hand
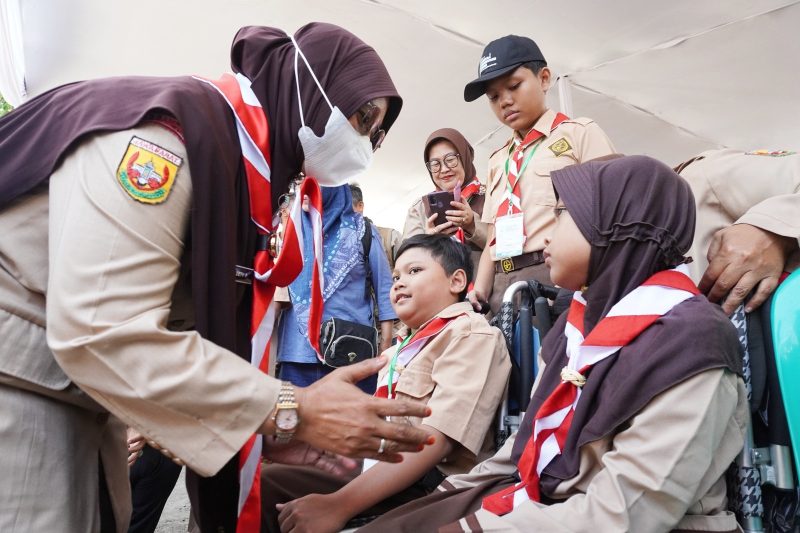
(478, 301)
(315, 513)
(448, 228)
(462, 216)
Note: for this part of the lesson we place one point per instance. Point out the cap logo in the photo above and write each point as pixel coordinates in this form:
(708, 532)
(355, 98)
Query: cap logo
(486, 62)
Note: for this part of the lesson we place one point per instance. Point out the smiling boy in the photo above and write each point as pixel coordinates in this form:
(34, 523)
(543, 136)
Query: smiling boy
(514, 76)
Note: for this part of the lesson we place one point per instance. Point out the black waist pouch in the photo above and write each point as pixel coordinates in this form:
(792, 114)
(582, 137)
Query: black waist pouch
(344, 343)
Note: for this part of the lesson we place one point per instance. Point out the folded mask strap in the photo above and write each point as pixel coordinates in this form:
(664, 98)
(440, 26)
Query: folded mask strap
(298, 52)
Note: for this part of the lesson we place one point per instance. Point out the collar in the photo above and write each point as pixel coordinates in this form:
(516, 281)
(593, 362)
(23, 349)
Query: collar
(454, 310)
(543, 125)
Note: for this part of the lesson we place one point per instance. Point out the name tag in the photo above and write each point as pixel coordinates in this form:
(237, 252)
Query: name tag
(509, 235)
(243, 275)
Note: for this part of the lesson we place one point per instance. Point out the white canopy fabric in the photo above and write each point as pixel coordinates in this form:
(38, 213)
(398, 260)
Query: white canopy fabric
(12, 60)
(667, 79)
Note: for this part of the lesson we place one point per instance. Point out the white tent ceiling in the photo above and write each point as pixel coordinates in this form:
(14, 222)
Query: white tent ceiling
(668, 79)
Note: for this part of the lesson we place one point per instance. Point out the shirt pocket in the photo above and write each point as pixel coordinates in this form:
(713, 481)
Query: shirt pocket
(416, 384)
(542, 187)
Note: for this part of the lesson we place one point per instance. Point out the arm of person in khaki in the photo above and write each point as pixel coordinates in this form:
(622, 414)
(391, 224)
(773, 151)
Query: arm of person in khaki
(469, 379)
(747, 223)
(114, 262)
(661, 463)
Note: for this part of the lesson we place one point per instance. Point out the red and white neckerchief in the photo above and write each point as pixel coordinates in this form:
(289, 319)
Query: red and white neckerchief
(407, 351)
(253, 132)
(512, 200)
(466, 193)
(624, 322)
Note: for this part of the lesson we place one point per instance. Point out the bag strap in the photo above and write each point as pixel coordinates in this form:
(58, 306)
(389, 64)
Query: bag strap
(369, 289)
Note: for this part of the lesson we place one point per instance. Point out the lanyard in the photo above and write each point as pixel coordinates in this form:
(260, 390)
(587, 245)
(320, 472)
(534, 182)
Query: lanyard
(393, 363)
(521, 169)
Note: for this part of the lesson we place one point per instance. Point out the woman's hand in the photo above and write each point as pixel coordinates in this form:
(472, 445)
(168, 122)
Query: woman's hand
(300, 453)
(448, 228)
(315, 513)
(462, 216)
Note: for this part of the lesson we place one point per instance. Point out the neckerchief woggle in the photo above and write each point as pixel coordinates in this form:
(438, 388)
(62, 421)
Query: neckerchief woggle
(626, 320)
(269, 272)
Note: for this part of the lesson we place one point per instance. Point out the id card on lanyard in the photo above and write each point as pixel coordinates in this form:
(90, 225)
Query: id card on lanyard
(369, 463)
(509, 229)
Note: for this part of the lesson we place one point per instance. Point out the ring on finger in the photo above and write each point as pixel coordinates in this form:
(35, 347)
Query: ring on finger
(382, 447)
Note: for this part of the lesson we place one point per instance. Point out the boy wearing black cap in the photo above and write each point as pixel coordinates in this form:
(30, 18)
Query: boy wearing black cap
(519, 206)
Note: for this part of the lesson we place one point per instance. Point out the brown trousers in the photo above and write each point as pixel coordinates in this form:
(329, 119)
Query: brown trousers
(440, 511)
(284, 483)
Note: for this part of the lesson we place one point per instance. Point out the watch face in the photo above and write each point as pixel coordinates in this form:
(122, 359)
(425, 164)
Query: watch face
(286, 419)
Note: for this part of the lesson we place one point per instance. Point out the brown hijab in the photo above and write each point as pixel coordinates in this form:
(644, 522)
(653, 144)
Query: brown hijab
(350, 71)
(638, 216)
(463, 147)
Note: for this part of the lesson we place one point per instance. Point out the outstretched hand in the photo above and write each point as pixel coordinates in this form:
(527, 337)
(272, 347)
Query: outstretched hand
(336, 416)
(742, 258)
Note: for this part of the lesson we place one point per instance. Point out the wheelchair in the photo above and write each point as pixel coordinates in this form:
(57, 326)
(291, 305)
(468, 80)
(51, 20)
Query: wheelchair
(762, 483)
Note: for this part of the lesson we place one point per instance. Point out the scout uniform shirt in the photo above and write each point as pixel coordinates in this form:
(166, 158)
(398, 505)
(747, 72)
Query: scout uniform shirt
(571, 142)
(461, 375)
(759, 188)
(618, 473)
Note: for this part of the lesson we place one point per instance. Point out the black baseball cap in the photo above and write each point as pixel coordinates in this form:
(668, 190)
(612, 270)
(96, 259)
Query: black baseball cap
(501, 56)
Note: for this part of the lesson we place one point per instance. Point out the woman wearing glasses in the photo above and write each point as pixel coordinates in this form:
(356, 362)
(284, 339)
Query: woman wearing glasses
(449, 158)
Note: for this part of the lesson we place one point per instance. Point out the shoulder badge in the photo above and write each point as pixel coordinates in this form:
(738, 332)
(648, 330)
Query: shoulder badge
(147, 171)
(774, 153)
(560, 146)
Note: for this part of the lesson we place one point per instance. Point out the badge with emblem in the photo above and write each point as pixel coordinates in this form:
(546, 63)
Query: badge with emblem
(560, 146)
(773, 153)
(147, 171)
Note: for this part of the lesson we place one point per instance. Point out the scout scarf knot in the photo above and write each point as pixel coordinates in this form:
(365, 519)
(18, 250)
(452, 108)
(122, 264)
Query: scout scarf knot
(626, 320)
(515, 164)
(253, 132)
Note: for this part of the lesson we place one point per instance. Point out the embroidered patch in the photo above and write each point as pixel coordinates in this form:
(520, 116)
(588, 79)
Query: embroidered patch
(774, 153)
(147, 171)
(560, 146)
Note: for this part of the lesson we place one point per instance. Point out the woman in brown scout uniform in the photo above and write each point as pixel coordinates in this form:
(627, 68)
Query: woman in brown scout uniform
(449, 158)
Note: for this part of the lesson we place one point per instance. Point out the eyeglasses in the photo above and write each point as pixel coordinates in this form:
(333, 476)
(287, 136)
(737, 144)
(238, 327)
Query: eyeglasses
(450, 161)
(367, 119)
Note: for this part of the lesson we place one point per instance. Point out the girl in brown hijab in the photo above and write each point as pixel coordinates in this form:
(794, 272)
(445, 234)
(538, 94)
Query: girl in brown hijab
(448, 156)
(639, 409)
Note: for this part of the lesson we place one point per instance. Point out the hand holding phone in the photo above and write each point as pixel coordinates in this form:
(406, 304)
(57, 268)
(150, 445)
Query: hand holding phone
(437, 203)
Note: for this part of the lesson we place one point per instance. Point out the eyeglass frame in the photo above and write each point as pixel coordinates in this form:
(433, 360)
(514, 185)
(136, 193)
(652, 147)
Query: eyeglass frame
(376, 138)
(442, 162)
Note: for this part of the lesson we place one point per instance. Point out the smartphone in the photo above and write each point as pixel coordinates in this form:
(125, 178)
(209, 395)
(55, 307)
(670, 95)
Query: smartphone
(438, 202)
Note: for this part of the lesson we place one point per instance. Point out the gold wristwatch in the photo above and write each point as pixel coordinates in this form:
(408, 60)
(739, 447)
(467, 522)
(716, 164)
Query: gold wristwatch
(285, 417)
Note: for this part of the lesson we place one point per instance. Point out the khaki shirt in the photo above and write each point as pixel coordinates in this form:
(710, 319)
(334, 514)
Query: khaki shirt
(461, 374)
(664, 469)
(733, 187)
(111, 282)
(573, 141)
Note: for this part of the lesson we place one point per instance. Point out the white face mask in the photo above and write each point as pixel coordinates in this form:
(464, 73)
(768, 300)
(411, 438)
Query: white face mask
(341, 154)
